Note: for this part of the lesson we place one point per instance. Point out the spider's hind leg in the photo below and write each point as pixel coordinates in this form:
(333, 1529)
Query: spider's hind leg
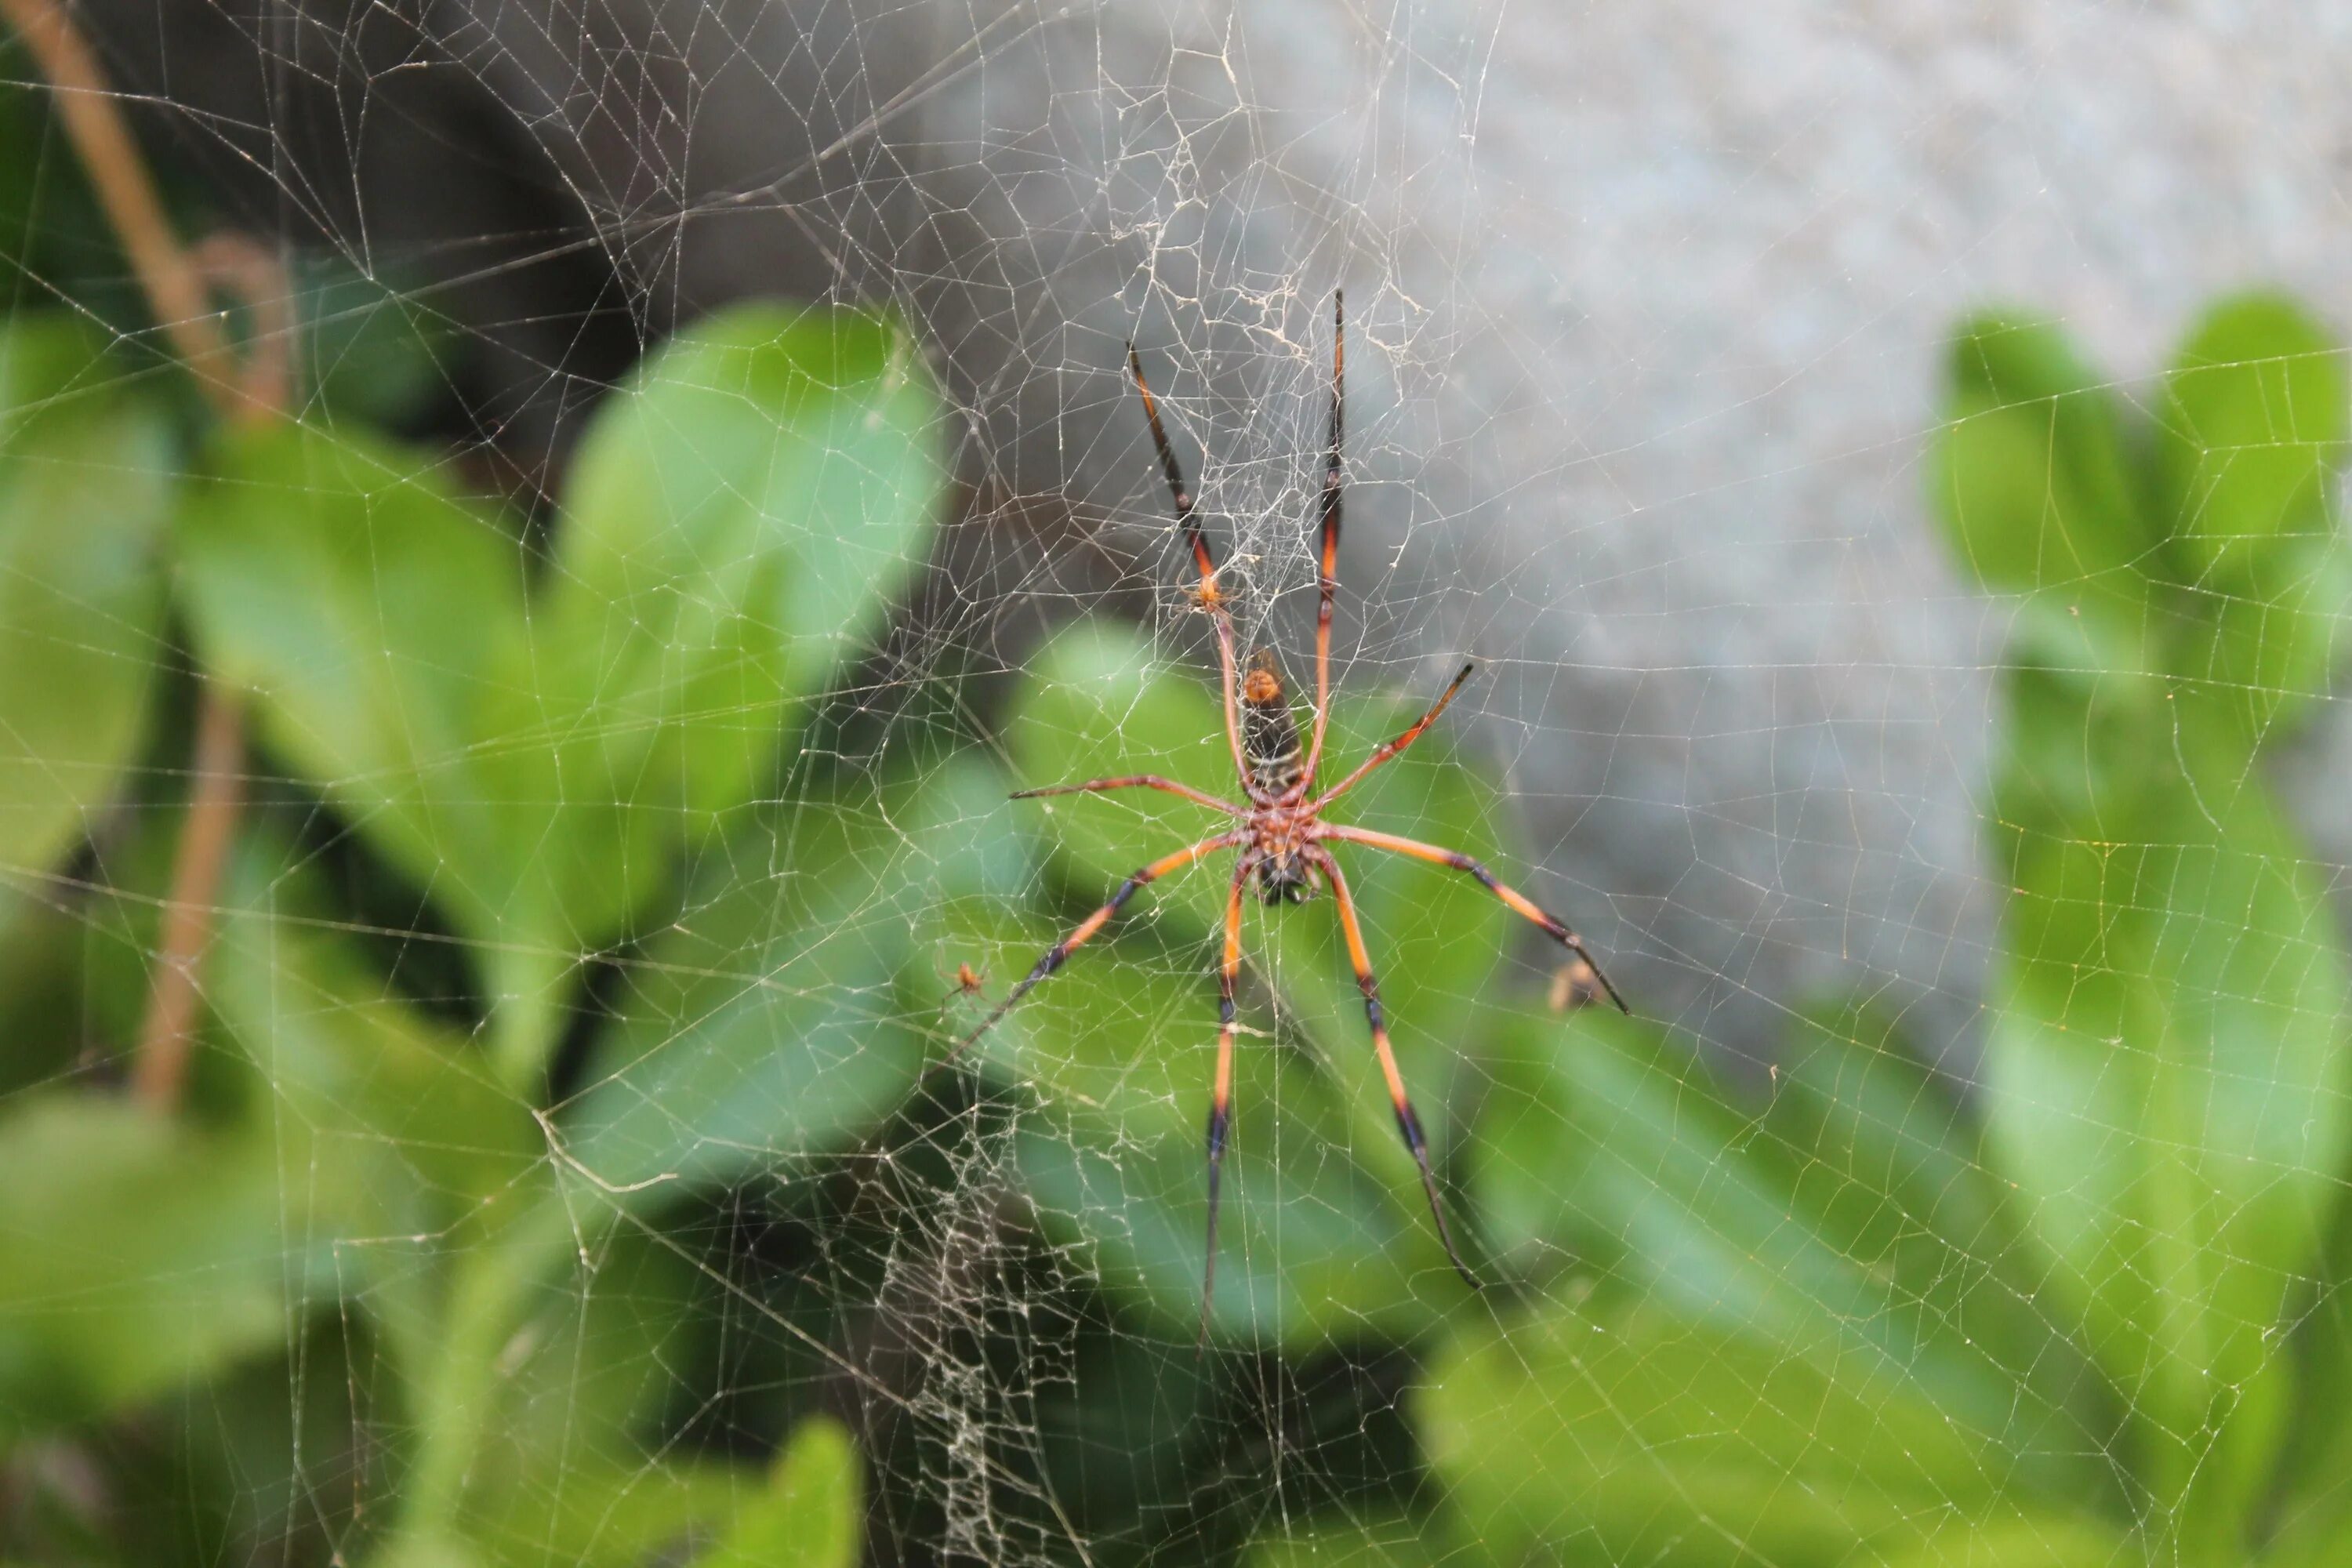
(1220, 1097)
(1408, 1123)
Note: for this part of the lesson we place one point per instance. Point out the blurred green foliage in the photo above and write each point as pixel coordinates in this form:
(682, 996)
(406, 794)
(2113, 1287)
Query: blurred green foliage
(542, 748)
(561, 1166)
(2093, 1311)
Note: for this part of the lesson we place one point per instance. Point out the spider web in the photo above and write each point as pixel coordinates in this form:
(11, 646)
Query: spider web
(1647, 312)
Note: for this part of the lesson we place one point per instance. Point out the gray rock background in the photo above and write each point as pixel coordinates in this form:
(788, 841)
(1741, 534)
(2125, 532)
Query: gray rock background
(1647, 303)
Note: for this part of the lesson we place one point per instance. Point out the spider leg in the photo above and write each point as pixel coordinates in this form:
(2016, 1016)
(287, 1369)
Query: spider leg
(1553, 927)
(1220, 1097)
(1058, 955)
(1408, 1123)
(1146, 781)
(1327, 575)
(1392, 747)
(1211, 599)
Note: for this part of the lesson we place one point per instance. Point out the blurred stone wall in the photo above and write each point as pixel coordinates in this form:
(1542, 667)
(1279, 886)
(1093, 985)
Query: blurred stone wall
(1648, 301)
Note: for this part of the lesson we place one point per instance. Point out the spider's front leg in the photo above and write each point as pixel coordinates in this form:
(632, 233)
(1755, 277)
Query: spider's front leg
(1211, 599)
(1408, 1123)
(1519, 903)
(1327, 574)
(1058, 955)
(1134, 781)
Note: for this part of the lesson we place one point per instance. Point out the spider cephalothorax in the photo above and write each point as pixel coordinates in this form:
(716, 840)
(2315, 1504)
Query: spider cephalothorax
(1280, 834)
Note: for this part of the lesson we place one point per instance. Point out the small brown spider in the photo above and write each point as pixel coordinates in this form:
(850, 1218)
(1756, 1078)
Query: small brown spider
(1280, 833)
(968, 980)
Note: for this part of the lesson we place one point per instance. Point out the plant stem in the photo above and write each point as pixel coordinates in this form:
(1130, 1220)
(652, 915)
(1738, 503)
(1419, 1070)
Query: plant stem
(178, 286)
(159, 1068)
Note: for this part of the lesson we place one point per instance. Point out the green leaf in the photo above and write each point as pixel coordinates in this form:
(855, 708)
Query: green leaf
(385, 1123)
(2252, 425)
(2074, 756)
(379, 619)
(811, 1513)
(1599, 1141)
(1376, 1540)
(1629, 1434)
(141, 1254)
(597, 1514)
(769, 1024)
(587, 1375)
(2265, 656)
(87, 480)
(2029, 475)
(736, 526)
(539, 754)
(2165, 1090)
(1115, 1057)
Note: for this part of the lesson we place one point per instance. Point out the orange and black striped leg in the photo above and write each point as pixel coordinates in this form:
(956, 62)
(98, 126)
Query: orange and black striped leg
(1521, 905)
(1392, 747)
(1212, 601)
(1221, 1098)
(1407, 1122)
(1059, 954)
(1327, 576)
(1134, 781)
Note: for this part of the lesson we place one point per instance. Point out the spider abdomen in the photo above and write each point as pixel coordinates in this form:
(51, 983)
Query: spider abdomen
(1269, 729)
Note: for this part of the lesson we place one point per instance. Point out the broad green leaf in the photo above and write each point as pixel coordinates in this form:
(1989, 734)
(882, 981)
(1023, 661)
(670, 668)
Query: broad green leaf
(736, 525)
(378, 618)
(141, 1255)
(384, 1122)
(2074, 756)
(2165, 1090)
(2252, 426)
(2314, 1511)
(87, 480)
(1629, 1434)
(811, 1513)
(602, 1514)
(1897, 1155)
(1890, 1168)
(538, 748)
(1377, 1540)
(599, 1357)
(1116, 1056)
(2029, 474)
(1599, 1140)
(2265, 656)
(770, 1023)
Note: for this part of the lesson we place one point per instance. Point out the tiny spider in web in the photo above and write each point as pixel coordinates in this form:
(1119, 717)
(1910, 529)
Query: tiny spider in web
(968, 980)
(1280, 834)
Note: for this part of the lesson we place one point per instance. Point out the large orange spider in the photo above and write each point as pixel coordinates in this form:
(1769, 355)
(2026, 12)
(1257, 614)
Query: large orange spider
(1280, 834)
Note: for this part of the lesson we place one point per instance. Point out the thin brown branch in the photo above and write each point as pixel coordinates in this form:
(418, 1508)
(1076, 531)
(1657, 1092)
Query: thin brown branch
(160, 1069)
(180, 286)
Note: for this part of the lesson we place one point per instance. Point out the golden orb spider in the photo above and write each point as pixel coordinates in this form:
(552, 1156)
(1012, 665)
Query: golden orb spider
(1280, 834)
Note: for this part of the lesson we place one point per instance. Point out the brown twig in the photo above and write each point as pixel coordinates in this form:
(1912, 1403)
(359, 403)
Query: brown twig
(160, 1067)
(179, 286)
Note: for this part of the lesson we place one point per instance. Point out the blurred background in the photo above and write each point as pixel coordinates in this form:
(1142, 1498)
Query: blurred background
(527, 574)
